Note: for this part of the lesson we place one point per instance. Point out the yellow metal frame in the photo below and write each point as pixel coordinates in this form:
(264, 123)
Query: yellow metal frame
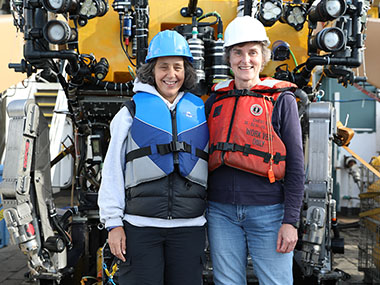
(101, 35)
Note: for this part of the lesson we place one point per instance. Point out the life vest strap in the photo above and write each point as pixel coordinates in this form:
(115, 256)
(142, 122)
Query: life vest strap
(165, 149)
(244, 92)
(246, 150)
(180, 146)
(173, 147)
(254, 93)
(137, 153)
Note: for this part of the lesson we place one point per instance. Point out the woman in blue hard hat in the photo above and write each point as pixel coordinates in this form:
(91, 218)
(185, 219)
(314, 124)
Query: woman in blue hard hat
(256, 176)
(152, 196)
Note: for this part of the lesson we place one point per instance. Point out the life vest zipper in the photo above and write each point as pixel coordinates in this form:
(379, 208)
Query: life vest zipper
(170, 197)
(175, 162)
(175, 138)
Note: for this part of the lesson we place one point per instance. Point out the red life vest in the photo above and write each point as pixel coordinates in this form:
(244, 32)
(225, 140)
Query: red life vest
(241, 131)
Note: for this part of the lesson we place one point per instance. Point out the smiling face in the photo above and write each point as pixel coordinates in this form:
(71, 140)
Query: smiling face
(246, 61)
(169, 75)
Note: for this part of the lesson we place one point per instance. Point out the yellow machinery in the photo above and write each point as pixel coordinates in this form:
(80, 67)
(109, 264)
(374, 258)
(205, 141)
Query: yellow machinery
(13, 52)
(93, 47)
(166, 16)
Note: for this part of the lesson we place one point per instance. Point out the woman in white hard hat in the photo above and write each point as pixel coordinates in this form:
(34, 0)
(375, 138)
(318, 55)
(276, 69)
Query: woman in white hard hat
(256, 172)
(153, 192)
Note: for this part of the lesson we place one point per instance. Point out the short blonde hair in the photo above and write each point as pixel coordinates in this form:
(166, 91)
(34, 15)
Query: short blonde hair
(267, 53)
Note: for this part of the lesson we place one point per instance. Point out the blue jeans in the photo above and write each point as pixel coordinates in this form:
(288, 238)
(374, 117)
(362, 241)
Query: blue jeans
(236, 230)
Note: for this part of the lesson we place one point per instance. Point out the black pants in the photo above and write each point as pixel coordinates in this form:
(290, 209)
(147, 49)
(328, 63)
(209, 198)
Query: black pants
(160, 256)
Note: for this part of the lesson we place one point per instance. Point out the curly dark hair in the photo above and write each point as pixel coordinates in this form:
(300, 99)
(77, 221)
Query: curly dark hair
(145, 73)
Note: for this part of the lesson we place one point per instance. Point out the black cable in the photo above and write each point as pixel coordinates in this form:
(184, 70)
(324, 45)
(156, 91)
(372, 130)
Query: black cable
(80, 195)
(76, 29)
(61, 231)
(50, 61)
(113, 86)
(298, 67)
(64, 220)
(211, 14)
(122, 44)
(217, 21)
(207, 24)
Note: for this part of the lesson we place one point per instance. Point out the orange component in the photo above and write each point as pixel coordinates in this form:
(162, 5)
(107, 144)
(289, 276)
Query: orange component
(271, 175)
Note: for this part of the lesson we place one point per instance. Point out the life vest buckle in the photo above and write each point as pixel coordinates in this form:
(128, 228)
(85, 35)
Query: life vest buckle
(173, 147)
(246, 149)
(267, 157)
(223, 146)
(176, 146)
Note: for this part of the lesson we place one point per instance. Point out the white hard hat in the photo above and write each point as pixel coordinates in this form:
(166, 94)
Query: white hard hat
(245, 29)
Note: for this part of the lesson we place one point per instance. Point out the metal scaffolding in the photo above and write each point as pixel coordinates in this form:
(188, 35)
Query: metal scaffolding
(369, 241)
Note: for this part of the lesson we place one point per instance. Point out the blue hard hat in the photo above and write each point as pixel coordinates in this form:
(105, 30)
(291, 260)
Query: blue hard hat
(168, 43)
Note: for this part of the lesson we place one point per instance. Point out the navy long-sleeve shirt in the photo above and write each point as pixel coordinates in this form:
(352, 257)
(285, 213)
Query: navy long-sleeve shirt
(234, 186)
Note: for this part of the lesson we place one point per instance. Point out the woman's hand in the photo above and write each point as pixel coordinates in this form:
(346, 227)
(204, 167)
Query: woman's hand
(287, 238)
(117, 242)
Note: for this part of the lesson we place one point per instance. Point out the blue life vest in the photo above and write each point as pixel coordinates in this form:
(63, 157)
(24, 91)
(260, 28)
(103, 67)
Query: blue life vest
(159, 139)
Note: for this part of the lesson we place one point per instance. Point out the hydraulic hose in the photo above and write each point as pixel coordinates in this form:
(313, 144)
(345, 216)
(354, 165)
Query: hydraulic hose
(70, 55)
(302, 78)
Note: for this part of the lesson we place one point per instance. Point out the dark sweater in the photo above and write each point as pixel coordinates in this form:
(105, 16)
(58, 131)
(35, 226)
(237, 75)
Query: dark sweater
(234, 186)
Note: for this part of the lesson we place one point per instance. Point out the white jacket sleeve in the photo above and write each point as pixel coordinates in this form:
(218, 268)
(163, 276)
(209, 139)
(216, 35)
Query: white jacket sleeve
(111, 198)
